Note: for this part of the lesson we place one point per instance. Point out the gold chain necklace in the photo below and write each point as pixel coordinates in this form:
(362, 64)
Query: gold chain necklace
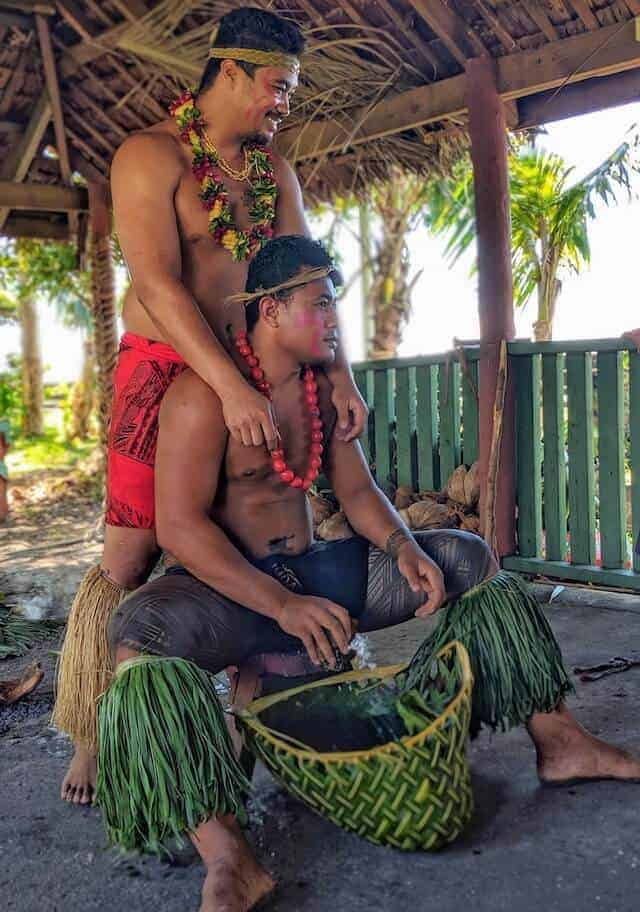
(241, 174)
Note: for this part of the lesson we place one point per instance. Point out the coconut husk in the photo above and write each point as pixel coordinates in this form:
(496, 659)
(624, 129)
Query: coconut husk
(438, 496)
(404, 514)
(321, 507)
(404, 497)
(470, 523)
(335, 527)
(472, 485)
(455, 485)
(427, 514)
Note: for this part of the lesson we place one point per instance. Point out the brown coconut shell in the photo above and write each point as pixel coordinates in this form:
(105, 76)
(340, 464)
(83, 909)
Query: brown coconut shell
(472, 485)
(470, 523)
(427, 514)
(404, 497)
(321, 507)
(455, 485)
(335, 527)
(404, 513)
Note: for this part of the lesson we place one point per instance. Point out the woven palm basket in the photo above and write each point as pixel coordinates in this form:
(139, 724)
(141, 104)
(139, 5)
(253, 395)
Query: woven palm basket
(412, 793)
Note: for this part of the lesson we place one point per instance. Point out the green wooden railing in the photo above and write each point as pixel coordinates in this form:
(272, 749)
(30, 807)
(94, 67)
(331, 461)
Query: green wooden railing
(424, 418)
(578, 452)
(577, 441)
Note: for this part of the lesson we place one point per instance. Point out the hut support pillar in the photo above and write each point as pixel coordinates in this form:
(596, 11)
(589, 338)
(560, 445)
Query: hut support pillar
(488, 132)
(103, 303)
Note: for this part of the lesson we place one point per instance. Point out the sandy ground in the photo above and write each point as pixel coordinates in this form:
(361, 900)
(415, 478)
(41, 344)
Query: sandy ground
(528, 848)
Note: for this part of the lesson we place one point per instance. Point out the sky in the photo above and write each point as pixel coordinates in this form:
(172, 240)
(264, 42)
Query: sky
(603, 301)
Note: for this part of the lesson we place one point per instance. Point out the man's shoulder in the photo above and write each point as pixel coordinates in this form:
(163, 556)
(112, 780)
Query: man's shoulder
(190, 398)
(157, 146)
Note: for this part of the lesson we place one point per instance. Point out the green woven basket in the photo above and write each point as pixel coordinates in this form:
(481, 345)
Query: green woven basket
(413, 793)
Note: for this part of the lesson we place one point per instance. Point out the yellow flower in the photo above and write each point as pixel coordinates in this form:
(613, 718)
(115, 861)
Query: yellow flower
(215, 211)
(182, 108)
(230, 239)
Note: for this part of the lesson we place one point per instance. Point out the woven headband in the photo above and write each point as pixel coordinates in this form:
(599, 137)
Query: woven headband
(304, 277)
(261, 58)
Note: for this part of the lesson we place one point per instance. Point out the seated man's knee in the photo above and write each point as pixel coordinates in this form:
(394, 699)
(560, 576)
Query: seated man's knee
(464, 558)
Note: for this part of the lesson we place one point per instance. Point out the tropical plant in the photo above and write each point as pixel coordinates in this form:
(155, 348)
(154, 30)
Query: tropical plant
(550, 218)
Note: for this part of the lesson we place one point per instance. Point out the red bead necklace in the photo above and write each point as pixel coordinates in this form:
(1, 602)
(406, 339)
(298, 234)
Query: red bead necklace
(278, 461)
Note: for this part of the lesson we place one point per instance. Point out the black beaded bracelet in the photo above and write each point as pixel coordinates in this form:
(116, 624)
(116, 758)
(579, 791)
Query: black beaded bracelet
(395, 541)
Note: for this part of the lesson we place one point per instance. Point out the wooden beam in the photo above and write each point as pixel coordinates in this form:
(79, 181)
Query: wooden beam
(18, 162)
(585, 13)
(42, 197)
(15, 83)
(53, 88)
(609, 50)
(458, 37)
(419, 44)
(76, 18)
(29, 6)
(582, 98)
(17, 227)
(538, 15)
(508, 41)
(15, 20)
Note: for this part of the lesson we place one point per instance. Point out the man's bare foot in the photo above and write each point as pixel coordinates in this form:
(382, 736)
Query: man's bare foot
(235, 882)
(79, 785)
(567, 753)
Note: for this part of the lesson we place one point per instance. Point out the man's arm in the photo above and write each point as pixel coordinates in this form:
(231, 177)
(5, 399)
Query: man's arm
(371, 515)
(144, 178)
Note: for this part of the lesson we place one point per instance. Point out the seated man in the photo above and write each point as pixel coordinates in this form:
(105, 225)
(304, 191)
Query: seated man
(248, 580)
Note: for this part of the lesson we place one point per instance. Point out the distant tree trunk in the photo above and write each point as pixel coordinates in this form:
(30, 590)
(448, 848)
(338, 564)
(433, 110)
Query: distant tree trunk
(32, 387)
(83, 395)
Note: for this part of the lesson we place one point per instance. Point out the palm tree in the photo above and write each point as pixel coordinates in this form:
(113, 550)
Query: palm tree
(549, 219)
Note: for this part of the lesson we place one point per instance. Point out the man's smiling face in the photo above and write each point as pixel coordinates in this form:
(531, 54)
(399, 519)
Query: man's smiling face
(265, 101)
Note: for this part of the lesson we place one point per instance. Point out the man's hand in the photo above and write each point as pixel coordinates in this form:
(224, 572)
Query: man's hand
(634, 335)
(249, 417)
(313, 620)
(423, 575)
(351, 408)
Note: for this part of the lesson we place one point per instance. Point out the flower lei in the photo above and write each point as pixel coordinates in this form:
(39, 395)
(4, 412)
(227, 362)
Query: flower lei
(262, 192)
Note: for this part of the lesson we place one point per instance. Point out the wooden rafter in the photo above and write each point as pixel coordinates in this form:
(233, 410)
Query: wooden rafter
(18, 162)
(581, 98)
(15, 82)
(30, 7)
(506, 40)
(609, 50)
(42, 197)
(75, 17)
(460, 40)
(53, 89)
(19, 226)
(538, 15)
(421, 46)
(585, 13)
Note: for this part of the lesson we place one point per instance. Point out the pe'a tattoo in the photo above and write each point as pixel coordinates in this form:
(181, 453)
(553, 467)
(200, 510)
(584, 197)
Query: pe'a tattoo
(395, 542)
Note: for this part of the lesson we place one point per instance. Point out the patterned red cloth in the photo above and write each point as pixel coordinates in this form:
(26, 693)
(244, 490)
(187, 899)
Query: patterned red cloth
(144, 372)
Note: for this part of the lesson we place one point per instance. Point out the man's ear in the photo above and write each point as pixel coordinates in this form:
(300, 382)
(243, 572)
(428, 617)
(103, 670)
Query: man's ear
(270, 310)
(229, 70)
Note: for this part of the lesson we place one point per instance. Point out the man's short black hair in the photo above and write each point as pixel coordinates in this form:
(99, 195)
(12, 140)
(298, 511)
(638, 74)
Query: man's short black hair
(251, 27)
(280, 260)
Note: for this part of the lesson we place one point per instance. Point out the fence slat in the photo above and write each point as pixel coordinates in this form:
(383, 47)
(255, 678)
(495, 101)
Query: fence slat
(634, 425)
(427, 428)
(383, 383)
(580, 446)
(364, 382)
(470, 413)
(613, 532)
(449, 404)
(555, 467)
(405, 425)
(527, 374)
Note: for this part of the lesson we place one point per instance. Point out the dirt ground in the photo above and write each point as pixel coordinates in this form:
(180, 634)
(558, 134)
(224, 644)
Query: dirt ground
(528, 848)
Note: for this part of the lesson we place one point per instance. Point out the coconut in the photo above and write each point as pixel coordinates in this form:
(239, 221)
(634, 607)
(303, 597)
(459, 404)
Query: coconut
(472, 485)
(470, 523)
(404, 514)
(455, 485)
(335, 527)
(427, 514)
(321, 507)
(404, 497)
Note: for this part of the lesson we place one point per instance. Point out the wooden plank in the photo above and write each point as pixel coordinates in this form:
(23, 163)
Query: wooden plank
(506, 39)
(449, 410)
(585, 13)
(597, 94)
(383, 407)
(18, 227)
(470, 413)
(405, 409)
(634, 428)
(364, 382)
(581, 471)
(613, 532)
(18, 162)
(427, 427)
(419, 44)
(624, 579)
(613, 49)
(471, 354)
(14, 84)
(459, 38)
(30, 7)
(528, 454)
(42, 197)
(539, 17)
(571, 345)
(555, 466)
(75, 17)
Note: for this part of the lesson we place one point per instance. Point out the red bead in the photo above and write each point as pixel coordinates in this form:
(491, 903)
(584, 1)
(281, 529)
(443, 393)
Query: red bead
(277, 454)
(311, 385)
(316, 436)
(315, 462)
(316, 449)
(279, 466)
(314, 412)
(316, 424)
(312, 399)
(297, 482)
(257, 373)
(309, 374)
(306, 484)
(244, 350)
(242, 334)
(252, 361)
(287, 476)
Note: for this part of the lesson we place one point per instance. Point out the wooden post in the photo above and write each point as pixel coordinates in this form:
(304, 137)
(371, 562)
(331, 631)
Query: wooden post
(487, 128)
(103, 301)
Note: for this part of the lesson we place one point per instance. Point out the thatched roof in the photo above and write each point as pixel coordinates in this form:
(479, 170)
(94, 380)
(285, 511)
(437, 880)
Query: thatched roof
(383, 83)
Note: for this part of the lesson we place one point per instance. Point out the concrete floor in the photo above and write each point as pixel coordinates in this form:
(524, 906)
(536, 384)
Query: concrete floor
(531, 849)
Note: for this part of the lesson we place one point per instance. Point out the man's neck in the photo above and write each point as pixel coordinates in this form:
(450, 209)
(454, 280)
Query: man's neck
(221, 122)
(278, 365)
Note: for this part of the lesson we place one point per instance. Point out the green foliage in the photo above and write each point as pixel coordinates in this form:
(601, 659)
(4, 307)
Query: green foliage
(11, 402)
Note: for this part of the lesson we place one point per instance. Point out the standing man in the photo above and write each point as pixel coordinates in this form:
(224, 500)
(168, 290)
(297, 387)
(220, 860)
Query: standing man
(195, 197)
